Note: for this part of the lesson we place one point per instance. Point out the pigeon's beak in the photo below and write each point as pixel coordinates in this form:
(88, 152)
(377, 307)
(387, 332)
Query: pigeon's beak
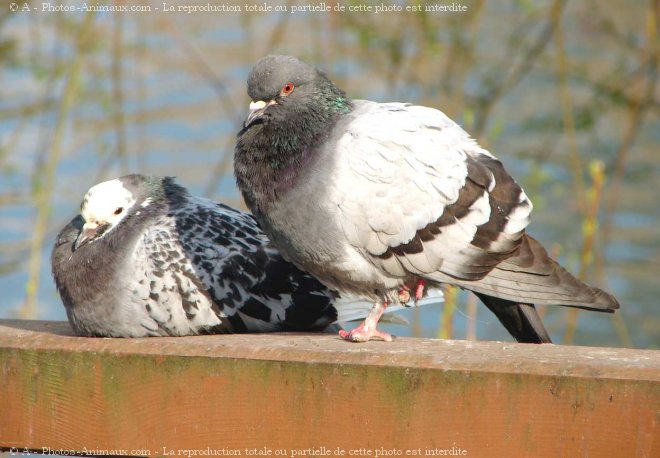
(257, 110)
(90, 231)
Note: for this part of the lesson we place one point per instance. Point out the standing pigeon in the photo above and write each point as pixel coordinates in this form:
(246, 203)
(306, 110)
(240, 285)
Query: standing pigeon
(377, 199)
(145, 258)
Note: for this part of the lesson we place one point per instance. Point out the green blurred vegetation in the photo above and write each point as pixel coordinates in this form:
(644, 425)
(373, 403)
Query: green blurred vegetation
(565, 93)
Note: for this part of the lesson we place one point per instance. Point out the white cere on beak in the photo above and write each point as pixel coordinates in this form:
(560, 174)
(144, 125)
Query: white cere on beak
(256, 110)
(258, 105)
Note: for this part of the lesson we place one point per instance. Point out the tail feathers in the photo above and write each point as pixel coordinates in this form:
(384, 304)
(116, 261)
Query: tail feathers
(521, 320)
(531, 276)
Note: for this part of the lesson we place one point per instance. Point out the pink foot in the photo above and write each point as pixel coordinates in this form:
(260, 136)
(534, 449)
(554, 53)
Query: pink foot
(404, 294)
(368, 330)
(360, 334)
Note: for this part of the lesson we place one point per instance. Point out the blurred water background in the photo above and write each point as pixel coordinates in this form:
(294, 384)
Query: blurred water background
(565, 93)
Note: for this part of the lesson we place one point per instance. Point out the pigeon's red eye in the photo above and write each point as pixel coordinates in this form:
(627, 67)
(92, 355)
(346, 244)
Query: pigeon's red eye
(287, 89)
(118, 210)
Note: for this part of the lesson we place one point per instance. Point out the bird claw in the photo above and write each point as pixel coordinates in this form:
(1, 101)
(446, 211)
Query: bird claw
(404, 292)
(361, 334)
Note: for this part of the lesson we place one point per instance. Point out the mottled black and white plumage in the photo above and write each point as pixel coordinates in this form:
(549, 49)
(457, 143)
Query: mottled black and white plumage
(145, 258)
(374, 197)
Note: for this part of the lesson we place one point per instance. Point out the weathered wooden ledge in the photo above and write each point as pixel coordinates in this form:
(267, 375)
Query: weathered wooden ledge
(315, 395)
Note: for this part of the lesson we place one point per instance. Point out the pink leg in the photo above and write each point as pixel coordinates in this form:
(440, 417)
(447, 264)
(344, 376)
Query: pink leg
(367, 330)
(419, 289)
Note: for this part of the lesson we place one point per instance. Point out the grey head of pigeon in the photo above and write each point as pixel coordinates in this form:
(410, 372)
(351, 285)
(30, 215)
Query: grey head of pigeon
(293, 108)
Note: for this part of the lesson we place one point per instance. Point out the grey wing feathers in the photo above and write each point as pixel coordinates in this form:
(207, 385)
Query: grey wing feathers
(432, 188)
(172, 293)
(247, 278)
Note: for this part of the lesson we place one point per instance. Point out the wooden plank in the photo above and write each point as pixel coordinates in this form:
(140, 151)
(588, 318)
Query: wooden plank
(314, 395)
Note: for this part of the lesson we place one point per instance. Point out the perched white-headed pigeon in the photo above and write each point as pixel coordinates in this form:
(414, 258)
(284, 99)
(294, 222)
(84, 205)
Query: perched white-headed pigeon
(145, 258)
(378, 199)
